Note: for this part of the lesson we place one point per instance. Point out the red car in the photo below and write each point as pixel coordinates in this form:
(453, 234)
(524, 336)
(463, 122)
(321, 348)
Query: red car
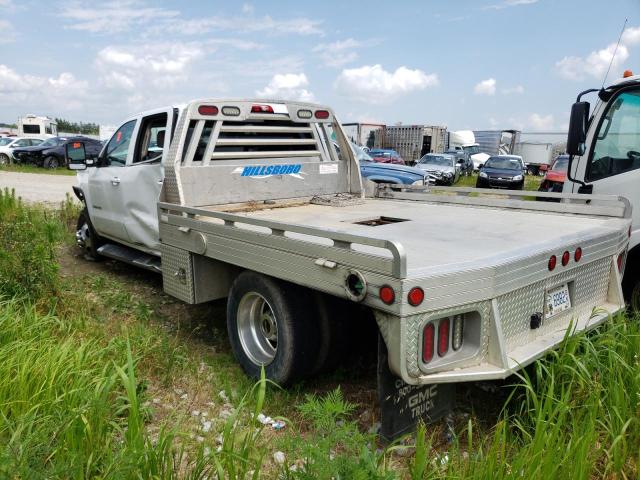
(384, 155)
(555, 178)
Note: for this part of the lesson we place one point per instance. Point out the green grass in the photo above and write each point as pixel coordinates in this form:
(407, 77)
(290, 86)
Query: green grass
(35, 169)
(531, 182)
(93, 375)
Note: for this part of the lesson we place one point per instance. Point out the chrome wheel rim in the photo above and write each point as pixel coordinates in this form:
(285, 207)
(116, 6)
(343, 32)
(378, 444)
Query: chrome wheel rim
(257, 328)
(83, 237)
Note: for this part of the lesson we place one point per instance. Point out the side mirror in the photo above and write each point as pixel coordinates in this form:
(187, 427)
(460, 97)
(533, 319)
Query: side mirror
(76, 156)
(577, 137)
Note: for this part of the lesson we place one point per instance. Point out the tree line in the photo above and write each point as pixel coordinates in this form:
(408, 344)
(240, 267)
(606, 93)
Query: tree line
(67, 126)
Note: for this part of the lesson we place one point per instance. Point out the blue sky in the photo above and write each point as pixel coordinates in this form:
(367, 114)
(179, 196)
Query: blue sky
(464, 64)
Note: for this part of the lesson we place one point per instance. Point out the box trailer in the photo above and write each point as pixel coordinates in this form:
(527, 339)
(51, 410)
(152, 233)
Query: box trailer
(537, 156)
(497, 142)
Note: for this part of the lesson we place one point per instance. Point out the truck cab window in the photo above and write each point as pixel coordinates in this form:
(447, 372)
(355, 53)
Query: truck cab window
(151, 139)
(617, 143)
(118, 146)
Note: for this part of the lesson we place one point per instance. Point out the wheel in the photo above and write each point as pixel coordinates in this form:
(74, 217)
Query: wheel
(270, 324)
(51, 162)
(4, 159)
(86, 237)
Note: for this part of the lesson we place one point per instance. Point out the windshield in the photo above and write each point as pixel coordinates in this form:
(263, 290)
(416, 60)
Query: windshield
(5, 141)
(561, 165)
(52, 142)
(472, 150)
(437, 160)
(361, 155)
(503, 163)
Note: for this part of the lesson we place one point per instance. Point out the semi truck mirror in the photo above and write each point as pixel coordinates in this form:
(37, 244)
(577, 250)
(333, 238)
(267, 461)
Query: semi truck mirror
(76, 156)
(576, 139)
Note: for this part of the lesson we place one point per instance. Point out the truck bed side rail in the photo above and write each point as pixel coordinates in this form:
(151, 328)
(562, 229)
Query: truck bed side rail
(571, 203)
(340, 251)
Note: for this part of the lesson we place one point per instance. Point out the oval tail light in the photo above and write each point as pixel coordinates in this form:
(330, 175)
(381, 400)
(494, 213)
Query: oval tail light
(208, 110)
(578, 254)
(306, 114)
(428, 335)
(261, 109)
(231, 111)
(443, 337)
(566, 256)
(552, 263)
(322, 114)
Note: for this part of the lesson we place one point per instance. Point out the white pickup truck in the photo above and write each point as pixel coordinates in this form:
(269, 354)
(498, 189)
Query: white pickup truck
(249, 200)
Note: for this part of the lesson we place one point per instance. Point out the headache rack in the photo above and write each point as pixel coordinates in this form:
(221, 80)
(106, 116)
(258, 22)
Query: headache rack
(287, 147)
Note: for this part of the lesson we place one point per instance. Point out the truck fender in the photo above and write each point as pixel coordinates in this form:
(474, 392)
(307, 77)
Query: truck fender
(79, 193)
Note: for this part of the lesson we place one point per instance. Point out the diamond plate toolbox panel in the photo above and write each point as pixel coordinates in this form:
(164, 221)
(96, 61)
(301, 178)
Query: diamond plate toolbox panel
(177, 273)
(589, 289)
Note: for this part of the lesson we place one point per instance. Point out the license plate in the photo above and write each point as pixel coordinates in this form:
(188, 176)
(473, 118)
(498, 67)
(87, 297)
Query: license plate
(558, 300)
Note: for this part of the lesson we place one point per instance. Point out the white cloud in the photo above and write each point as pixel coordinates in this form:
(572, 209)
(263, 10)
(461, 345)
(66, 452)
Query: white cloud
(159, 65)
(8, 34)
(112, 17)
(510, 3)
(486, 87)
(539, 122)
(62, 93)
(338, 53)
(288, 86)
(597, 62)
(372, 83)
(244, 24)
(247, 8)
(518, 89)
(631, 36)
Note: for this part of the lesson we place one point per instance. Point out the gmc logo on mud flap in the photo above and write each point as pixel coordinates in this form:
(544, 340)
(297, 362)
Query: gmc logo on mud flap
(423, 401)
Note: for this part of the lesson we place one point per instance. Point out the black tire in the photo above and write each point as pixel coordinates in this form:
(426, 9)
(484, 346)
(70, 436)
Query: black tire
(296, 334)
(4, 159)
(334, 316)
(51, 162)
(87, 237)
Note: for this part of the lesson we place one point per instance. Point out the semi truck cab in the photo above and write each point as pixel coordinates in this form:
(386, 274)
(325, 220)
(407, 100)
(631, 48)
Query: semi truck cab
(604, 149)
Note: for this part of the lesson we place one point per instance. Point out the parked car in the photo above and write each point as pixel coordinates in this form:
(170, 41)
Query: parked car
(501, 171)
(463, 161)
(554, 179)
(51, 152)
(386, 155)
(8, 144)
(387, 172)
(442, 166)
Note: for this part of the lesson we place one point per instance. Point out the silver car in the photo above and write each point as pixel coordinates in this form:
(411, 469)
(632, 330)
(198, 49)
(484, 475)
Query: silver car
(442, 166)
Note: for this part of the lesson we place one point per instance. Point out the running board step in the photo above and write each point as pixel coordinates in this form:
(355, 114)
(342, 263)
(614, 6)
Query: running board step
(131, 256)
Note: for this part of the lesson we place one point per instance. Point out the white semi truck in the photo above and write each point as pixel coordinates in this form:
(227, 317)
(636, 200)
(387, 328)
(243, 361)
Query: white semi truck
(250, 201)
(465, 141)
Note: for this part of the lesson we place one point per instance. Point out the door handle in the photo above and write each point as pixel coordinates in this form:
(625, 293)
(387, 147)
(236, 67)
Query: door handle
(115, 181)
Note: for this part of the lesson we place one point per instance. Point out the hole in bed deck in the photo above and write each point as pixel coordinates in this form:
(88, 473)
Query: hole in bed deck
(377, 221)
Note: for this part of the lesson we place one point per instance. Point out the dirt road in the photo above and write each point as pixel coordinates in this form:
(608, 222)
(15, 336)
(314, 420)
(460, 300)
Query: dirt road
(35, 187)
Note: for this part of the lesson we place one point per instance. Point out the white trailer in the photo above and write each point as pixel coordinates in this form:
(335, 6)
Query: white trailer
(33, 126)
(537, 156)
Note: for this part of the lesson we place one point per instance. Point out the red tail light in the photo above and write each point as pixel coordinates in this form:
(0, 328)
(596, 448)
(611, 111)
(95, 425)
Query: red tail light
(387, 295)
(620, 262)
(322, 114)
(416, 296)
(578, 255)
(427, 342)
(552, 263)
(443, 337)
(566, 256)
(261, 109)
(208, 110)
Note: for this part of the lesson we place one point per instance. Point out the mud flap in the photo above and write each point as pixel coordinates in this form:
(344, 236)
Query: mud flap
(402, 405)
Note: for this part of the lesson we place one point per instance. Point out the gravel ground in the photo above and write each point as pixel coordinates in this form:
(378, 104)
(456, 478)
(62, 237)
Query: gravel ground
(35, 187)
